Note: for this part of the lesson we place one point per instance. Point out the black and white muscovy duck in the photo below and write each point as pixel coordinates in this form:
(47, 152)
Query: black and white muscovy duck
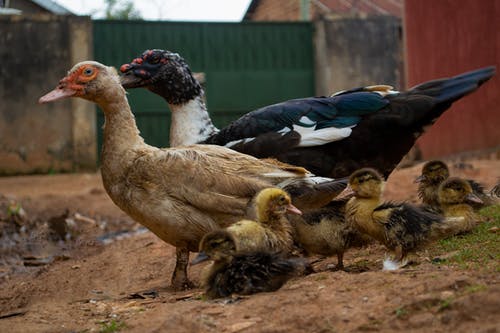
(330, 136)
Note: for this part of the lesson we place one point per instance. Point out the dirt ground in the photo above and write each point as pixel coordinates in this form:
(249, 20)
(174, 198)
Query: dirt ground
(86, 275)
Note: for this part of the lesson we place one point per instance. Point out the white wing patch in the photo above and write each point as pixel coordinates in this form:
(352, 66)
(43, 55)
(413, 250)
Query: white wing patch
(235, 142)
(310, 137)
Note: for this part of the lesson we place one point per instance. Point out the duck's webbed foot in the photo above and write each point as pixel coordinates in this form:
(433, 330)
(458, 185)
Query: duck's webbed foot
(180, 280)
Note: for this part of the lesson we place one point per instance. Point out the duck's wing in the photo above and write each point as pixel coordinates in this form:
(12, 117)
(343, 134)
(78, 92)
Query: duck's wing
(304, 122)
(222, 181)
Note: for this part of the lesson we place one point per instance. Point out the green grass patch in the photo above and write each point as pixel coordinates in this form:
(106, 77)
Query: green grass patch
(475, 288)
(478, 249)
(401, 312)
(112, 326)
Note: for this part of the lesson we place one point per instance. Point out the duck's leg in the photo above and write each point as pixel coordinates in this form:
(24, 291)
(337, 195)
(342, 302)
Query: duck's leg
(180, 279)
(340, 261)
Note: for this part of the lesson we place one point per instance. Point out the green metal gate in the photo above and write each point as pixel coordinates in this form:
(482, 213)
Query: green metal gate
(247, 65)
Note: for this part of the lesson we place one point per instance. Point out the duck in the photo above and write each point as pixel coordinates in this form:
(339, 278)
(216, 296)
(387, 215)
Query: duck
(178, 193)
(270, 231)
(244, 273)
(433, 174)
(401, 227)
(373, 126)
(325, 232)
(455, 197)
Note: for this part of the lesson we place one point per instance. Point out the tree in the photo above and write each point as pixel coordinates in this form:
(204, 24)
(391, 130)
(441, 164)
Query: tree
(121, 10)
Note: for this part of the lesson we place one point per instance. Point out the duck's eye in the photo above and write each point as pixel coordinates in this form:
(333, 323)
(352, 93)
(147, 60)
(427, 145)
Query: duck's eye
(154, 60)
(88, 71)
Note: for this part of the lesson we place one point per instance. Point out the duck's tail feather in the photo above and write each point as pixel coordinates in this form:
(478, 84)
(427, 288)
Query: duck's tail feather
(451, 89)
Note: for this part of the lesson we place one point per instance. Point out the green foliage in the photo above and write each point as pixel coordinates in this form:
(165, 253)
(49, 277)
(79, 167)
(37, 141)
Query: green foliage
(445, 304)
(121, 10)
(475, 288)
(401, 312)
(14, 209)
(478, 249)
(112, 326)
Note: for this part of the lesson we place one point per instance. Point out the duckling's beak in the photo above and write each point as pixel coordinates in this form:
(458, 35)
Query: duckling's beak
(201, 257)
(419, 179)
(293, 210)
(471, 197)
(348, 191)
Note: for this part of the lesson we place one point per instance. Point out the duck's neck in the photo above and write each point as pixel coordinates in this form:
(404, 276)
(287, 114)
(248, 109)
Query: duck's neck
(191, 123)
(121, 137)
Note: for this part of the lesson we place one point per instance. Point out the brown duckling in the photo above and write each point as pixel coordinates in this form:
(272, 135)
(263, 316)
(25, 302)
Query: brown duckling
(241, 272)
(401, 227)
(325, 232)
(455, 196)
(271, 231)
(433, 174)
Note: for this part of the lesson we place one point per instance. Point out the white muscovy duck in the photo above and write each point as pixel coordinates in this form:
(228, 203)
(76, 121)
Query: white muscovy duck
(330, 136)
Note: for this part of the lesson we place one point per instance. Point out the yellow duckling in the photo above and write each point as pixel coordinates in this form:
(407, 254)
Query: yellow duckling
(271, 231)
(241, 272)
(434, 173)
(401, 227)
(325, 232)
(455, 196)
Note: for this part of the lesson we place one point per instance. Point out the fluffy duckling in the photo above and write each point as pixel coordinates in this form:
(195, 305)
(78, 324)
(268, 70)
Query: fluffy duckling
(401, 227)
(180, 194)
(455, 195)
(271, 231)
(325, 232)
(241, 272)
(433, 174)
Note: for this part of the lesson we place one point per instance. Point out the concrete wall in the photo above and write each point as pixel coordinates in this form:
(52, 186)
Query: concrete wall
(353, 52)
(35, 53)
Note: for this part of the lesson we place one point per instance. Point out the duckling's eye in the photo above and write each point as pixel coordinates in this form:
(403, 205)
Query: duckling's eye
(88, 71)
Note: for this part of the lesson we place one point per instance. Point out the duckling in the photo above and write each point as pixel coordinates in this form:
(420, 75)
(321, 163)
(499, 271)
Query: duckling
(241, 272)
(401, 227)
(455, 195)
(433, 174)
(271, 231)
(325, 232)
